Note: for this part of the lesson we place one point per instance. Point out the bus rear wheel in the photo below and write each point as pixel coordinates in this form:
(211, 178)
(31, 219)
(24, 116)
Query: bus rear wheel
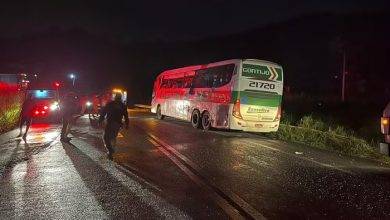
(206, 121)
(159, 115)
(196, 119)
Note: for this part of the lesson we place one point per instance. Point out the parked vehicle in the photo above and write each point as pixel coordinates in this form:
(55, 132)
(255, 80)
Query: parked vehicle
(46, 104)
(240, 94)
(96, 102)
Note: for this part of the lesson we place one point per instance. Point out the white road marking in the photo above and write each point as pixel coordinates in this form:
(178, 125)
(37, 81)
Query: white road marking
(231, 211)
(223, 203)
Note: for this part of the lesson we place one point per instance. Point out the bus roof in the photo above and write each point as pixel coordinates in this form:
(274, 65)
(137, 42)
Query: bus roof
(196, 67)
(261, 61)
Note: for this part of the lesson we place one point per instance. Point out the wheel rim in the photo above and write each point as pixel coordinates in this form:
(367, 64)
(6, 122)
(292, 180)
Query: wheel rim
(195, 119)
(206, 120)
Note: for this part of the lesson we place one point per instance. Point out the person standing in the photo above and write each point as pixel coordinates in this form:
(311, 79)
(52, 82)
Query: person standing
(115, 111)
(26, 115)
(68, 109)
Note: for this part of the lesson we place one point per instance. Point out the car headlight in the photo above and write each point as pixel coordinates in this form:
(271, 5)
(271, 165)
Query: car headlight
(54, 106)
(88, 103)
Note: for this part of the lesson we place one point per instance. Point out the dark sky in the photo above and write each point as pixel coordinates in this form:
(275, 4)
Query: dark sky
(129, 42)
(166, 20)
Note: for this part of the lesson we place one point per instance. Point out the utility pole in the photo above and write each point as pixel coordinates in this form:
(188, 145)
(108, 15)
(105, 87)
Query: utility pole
(343, 80)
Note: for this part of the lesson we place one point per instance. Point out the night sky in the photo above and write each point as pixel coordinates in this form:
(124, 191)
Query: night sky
(167, 20)
(128, 43)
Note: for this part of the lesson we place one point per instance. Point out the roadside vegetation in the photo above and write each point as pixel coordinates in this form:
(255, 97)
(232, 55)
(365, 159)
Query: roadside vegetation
(350, 132)
(10, 107)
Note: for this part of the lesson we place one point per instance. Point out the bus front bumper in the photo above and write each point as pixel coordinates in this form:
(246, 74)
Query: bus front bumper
(254, 126)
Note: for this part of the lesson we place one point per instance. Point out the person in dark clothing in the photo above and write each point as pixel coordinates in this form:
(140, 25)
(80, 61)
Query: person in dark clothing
(114, 111)
(26, 115)
(68, 109)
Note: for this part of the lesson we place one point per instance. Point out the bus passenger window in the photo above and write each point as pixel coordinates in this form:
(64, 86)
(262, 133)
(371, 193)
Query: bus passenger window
(188, 81)
(179, 82)
(164, 83)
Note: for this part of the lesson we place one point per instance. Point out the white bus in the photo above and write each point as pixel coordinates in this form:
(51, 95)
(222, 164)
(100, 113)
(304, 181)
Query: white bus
(239, 94)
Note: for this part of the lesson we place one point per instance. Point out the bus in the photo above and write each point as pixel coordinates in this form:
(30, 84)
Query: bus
(238, 94)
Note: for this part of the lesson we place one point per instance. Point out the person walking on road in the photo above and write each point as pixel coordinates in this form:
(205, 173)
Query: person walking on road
(115, 111)
(26, 116)
(68, 109)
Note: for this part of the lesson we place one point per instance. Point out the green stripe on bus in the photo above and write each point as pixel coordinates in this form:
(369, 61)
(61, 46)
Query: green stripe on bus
(280, 74)
(262, 72)
(258, 98)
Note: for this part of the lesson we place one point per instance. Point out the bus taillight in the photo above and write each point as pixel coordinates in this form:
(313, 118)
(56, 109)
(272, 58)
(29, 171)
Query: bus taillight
(236, 109)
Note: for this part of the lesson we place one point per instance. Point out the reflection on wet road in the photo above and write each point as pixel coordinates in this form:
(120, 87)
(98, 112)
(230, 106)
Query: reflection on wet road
(13, 149)
(75, 181)
(167, 169)
(276, 181)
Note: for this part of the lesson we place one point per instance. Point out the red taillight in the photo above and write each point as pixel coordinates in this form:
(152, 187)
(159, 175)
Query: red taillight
(43, 112)
(45, 107)
(385, 121)
(236, 109)
(385, 125)
(36, 112)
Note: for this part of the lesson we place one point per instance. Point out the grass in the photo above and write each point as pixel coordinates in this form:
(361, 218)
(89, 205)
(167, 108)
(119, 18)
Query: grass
(10, 107)
(316, 133)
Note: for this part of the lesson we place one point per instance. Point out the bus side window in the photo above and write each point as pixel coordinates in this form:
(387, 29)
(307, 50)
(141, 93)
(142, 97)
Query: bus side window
(180, 82)
(188, 81)
(163, 83)
(223, 74)
(203, 79)
(173, 83)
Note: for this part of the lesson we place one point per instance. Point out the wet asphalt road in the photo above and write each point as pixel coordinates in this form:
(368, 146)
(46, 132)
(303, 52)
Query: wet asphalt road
(167, 169)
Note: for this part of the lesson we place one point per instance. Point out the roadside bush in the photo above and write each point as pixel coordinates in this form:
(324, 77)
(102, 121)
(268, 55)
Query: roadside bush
(315, 133)
(311, 123)
(342, 131)
(287, 118)
(10, 107)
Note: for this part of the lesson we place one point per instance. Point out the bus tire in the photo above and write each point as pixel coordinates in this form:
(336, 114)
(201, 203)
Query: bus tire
(196, 119)
(159, 115)
(206, 121)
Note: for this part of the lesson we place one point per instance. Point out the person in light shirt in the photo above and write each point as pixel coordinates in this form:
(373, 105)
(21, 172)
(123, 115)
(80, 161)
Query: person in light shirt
(26, 116)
